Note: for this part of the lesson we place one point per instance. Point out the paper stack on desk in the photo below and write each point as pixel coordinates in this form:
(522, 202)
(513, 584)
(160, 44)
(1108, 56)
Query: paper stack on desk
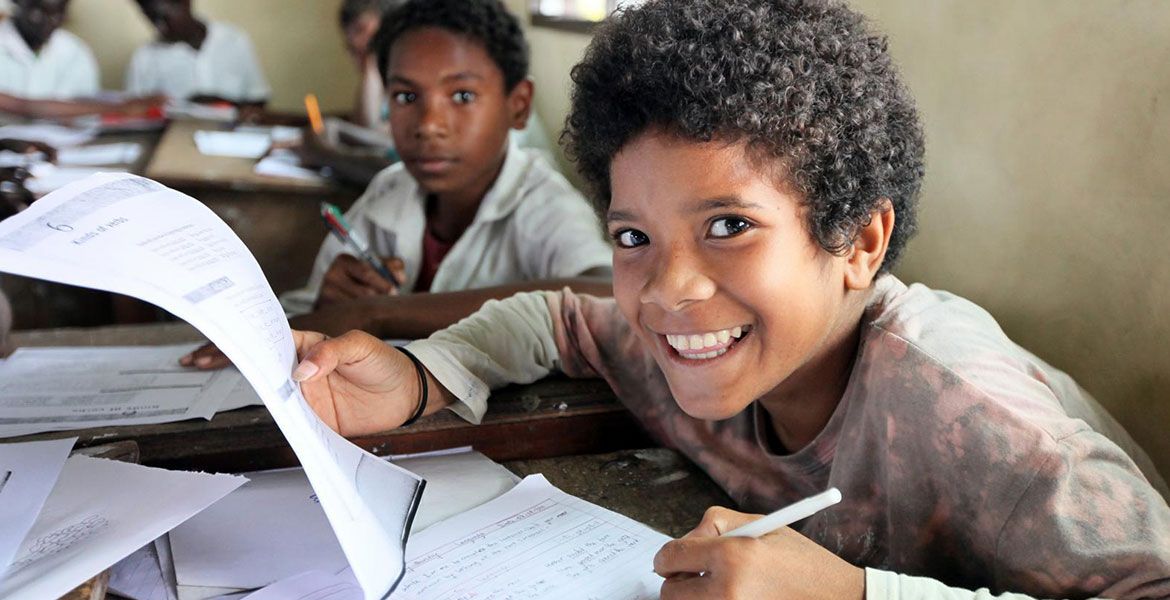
(93, 517)
(55, 389)
(130, 235)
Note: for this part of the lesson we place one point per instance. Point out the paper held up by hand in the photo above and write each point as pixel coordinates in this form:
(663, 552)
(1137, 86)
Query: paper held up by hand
(133, 236)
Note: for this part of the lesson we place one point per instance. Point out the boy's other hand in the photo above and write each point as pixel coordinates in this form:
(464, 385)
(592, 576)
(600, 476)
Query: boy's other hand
(782, 564)
(358, 384)
(350, 278)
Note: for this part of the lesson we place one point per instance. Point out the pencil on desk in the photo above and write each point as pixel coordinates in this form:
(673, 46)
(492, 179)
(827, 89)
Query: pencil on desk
(314, 111)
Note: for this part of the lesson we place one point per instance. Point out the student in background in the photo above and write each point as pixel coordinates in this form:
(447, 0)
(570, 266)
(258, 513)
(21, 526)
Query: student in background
(195, 60)
(467, 215)
(39, 60)
(758, 163)
(360, 20)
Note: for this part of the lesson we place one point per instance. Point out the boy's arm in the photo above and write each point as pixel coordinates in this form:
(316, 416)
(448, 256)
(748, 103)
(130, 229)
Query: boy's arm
(505, 341)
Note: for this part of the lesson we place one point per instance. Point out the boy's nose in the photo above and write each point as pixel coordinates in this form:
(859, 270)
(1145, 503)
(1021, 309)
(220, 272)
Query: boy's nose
(433, 122)
(676, 281)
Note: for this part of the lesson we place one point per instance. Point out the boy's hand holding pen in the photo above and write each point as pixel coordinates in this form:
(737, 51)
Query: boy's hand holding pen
(359, 274)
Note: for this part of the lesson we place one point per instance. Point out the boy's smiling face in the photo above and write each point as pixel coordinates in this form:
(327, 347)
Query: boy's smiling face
(716, 271)
(449, 110)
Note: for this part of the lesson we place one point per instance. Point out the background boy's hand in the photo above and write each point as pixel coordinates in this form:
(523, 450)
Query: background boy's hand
(349, 278)
(357, 384)
(783, 564)
(206, 357)
(29, 147)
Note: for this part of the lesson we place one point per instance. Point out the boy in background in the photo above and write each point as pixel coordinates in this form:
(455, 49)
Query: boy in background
(196, 60)
(467, 215)
(39, 60)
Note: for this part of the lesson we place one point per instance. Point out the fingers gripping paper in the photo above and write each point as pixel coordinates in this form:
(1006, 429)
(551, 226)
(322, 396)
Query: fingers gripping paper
(133, 236)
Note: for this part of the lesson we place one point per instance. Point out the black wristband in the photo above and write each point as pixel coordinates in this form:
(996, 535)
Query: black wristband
(422, 382)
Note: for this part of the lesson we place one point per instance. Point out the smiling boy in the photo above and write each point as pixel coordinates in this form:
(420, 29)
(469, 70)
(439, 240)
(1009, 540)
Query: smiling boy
(758, 163)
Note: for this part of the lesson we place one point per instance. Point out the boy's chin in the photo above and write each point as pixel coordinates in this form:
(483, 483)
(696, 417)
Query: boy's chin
(714, 407)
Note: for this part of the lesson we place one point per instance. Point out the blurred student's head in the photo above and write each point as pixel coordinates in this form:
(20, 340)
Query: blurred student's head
(360, 20)
(36, 20)
(456, 72)
(170, 18)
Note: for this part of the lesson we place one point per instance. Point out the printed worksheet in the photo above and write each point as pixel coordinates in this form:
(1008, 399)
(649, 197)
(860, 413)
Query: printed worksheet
(52, 389)
(531, 543)
(133, 236)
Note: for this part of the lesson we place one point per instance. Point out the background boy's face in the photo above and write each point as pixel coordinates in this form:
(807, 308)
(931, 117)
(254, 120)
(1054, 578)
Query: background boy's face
(449, 111)
(36, 20)
(359, 33)
(707, 247)
(169, 17)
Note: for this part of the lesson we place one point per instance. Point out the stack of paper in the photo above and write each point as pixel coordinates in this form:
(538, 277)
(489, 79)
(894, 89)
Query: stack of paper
(285, 164)
(100, 154)
(95, 516)
(236, 144)
(54, 389)
(47, 177)
(57, 136)
(273, 527)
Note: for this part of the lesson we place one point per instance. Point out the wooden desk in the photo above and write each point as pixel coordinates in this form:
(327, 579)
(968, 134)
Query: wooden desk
(573, 431)
(278, 219)
(553, 417)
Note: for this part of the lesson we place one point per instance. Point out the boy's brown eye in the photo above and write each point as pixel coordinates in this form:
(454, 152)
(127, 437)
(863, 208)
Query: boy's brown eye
(630, 238)
(728, 226)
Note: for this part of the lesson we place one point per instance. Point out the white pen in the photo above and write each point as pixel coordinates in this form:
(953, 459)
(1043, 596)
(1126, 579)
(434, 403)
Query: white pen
(787, 515)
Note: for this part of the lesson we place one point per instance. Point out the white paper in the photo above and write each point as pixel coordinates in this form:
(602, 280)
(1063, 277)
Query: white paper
(53, 389)
(47, 177)
(237, 144)
(28, 472)
(285, 164)
(273, 527)
(532, 543)
(311, 585)
(133, 236)
(122, 153)
(57, 136)
(140, 577)
(101, 511)
(181, 109)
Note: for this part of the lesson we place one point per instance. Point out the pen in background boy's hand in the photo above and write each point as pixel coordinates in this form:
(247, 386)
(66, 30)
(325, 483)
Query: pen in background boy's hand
(349, 278)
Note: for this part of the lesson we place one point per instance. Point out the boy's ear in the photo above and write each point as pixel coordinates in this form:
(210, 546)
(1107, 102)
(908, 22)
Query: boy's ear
(520, 103)
(869, 247)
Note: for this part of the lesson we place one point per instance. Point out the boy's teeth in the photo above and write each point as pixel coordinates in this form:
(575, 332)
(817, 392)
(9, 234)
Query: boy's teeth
(698, 342)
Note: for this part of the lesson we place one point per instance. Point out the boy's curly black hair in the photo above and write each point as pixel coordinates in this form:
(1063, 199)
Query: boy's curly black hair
(485, 21)
(804, 83)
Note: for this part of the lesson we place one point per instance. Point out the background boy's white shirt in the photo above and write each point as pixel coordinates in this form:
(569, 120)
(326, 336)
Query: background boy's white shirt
(532, 224)
(65, 67)
(225, 65)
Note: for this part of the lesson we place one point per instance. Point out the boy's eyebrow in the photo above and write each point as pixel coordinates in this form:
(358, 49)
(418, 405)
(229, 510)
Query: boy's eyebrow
(723, 202)
(618, 215)
(460, 76)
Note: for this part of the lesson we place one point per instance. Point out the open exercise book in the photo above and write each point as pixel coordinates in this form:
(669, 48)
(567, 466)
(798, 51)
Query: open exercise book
(133, 236)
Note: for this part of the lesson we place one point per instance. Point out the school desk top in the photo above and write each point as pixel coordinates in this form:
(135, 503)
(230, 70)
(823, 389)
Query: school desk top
(573, 431)
(177, 163)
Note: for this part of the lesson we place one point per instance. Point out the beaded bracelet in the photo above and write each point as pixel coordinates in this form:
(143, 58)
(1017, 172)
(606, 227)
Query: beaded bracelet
(422, 382)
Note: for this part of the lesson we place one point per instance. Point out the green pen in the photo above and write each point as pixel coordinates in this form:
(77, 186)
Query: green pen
(340, 228)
